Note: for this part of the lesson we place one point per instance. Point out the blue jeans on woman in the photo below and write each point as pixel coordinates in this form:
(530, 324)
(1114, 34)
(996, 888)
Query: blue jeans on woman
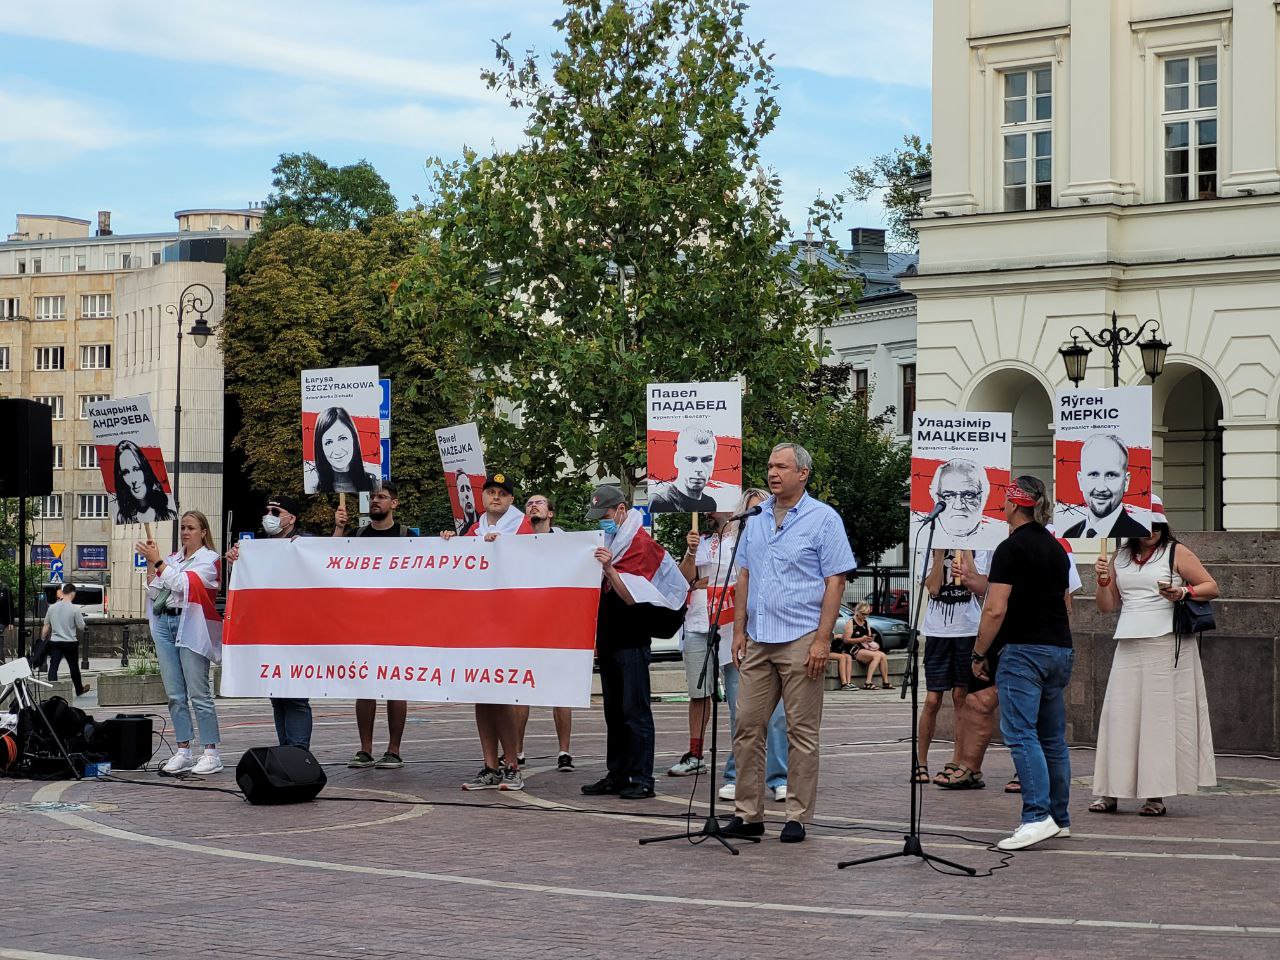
(186, 677)
(1031, 680)
(775, 749)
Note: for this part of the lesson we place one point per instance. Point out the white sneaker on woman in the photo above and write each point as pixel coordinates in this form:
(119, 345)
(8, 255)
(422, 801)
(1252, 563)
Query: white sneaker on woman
(1029, 834)
(209, 763)
(179, 762)
(729, 791)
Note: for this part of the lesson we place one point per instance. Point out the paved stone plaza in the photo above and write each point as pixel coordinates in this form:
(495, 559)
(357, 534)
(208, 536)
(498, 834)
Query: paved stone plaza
(116, 870)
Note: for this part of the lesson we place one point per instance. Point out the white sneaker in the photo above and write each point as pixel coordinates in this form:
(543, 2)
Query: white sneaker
(688, 766)
(729, 791)
(780, 793)
(209, 763)
(1064, 832)
(1029, 834)
(179, 762)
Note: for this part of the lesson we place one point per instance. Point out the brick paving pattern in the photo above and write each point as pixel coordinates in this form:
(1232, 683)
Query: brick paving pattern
(121, 870)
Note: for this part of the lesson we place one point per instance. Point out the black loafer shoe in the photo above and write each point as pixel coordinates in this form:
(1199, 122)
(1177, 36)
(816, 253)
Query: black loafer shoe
(737, 827)
(636, 791)
(603, 787)
(792, 832)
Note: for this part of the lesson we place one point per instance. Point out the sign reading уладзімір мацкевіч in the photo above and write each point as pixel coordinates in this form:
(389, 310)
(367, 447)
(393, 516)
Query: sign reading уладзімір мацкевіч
(1102, 462)
(419, 618)
(694, 443)
(962, 460)
(462, 459)
(341, 438)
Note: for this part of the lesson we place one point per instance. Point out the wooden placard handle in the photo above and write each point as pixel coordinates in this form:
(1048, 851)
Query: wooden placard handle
(695, 523)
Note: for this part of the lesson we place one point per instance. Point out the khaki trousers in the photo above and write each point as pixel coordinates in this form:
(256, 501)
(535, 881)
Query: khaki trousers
(771, 671)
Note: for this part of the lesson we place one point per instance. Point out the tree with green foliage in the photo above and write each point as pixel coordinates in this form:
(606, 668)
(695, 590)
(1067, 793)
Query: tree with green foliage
(898, 176)
(309, 191)
(310, 298)
(636, 238)
(9, 559)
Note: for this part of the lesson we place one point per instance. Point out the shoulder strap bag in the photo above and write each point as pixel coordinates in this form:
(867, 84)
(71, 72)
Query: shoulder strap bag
(1190, 615)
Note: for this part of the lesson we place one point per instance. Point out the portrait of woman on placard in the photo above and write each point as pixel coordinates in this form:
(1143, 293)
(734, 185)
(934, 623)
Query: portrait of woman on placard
(339, 466)
(140, 498)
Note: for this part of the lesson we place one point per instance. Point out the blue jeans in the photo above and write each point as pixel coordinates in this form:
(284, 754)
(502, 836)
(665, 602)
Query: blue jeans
(775, 750)
(1031, 679)
(186, 677)
(293, 721)
(628, 717)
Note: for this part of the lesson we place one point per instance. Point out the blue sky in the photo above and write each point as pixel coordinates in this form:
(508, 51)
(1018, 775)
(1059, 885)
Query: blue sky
(144, 107)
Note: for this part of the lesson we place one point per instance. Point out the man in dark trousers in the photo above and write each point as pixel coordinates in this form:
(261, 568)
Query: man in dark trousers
(383, 504)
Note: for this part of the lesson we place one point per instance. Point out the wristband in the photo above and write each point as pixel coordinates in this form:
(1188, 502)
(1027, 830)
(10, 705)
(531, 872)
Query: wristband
(1190, 590)
(978, 657)
(158, 564)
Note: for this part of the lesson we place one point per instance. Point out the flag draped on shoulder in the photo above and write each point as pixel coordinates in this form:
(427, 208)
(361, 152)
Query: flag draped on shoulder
(193, 584)
(649, 572)
(513, 521)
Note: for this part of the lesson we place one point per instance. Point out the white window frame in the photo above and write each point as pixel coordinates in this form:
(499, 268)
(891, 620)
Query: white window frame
(4, 358)
(57, 456)
(51, 308)
(88, 398)
(1193, 118)
(87, 457)
(1031, 132)
(50, 358)
(95, 356)
(95, 306)
(54, 402)
(64, 263)
(51, 507)
(97, 503)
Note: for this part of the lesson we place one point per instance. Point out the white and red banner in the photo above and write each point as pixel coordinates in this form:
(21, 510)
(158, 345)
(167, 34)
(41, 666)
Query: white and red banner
(462, 458)
(461, 620)
(132, 464)
(694, 443)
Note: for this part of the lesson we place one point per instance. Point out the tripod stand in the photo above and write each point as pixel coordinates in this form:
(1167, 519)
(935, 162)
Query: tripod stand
(711, 825)
(911, 842)
(17, 674)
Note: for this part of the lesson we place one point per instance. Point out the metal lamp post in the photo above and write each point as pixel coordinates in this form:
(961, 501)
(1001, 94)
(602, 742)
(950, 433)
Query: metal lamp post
(1114, 339)
(195, 298)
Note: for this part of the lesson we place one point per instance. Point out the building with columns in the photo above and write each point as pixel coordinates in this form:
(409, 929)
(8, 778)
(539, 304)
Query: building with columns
(1092, 157)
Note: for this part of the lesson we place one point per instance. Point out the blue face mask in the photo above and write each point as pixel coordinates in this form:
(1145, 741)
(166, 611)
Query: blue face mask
(610, 527)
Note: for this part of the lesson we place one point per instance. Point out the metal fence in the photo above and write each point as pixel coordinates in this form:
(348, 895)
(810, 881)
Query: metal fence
(887, 589)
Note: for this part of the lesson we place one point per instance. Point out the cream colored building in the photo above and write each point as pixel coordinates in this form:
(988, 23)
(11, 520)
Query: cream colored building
(1091, 157)
(84, 317)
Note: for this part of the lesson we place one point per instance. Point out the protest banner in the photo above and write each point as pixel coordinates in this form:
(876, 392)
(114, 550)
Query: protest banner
(694, 446)
(460, 620)
(462, 458)
(130, 460)
(1102, 462)
(341, 446)
(962, 460)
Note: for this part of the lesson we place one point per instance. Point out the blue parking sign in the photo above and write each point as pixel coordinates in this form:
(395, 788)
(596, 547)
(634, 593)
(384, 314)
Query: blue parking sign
(139, 562)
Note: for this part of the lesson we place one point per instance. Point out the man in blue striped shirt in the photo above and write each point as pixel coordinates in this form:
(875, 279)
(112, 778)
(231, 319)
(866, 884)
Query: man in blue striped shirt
(792, 565)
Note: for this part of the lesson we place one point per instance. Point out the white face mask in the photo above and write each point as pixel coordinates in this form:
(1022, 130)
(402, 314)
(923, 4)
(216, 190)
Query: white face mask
(271, 525)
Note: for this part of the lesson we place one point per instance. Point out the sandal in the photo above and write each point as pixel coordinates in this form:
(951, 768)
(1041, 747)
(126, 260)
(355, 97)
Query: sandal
(945, 773)
(1014, 785)
(868, 686)
(920, 774)
(1152, 808)
(1104, 805)
(962, 778)
(886, 686)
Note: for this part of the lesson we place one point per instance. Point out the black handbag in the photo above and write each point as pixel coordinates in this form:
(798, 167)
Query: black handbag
(1190, 616)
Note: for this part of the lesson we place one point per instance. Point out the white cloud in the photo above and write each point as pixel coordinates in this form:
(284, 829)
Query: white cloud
(50, 126)
(884, 43)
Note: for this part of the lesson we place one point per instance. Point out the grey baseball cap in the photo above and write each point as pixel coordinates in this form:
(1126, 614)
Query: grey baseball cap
(604, 499)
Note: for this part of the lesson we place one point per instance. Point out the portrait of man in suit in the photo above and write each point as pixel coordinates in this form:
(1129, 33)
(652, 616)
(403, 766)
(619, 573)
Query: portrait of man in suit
(1104, 480)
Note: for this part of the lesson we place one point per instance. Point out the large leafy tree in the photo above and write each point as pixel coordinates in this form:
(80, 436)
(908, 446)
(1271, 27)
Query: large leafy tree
(897, 176)
(636, 238)
(309, 191)
(9, 559)
(312, 298)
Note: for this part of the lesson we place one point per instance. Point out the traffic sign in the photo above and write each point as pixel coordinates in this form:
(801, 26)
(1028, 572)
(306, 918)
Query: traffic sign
(55, 571)
(56, 549)
(384, 428)
(139, 561)
(246, 535)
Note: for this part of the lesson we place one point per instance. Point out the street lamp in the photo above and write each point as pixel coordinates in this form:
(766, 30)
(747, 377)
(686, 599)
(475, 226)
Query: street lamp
(195, 298)
(1075, 355)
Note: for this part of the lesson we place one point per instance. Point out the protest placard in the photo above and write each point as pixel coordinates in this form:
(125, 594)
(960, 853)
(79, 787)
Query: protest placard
(1102, 462)
(341, 445)
(130, 459)
(962, 460)
(463, 461)
(694, 445)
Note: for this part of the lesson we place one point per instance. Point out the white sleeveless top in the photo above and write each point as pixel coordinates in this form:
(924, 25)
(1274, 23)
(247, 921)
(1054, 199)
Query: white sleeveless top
(1143, 612)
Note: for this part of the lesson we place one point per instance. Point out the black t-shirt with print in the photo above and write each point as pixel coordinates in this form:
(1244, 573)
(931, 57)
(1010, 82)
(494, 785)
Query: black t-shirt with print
(1034, 566)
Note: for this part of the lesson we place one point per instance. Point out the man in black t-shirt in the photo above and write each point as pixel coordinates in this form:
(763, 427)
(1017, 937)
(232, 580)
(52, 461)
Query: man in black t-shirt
(383, 503)
(1026, 613)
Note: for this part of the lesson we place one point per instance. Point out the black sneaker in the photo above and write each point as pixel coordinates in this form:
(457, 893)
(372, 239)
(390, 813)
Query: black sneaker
(564, 763)
(792, 832)
(636, 791)
(737, 827)
(603, 787)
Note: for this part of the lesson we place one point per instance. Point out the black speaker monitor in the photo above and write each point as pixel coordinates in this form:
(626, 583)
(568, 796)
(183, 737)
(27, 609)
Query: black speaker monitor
(274, 775)
(26, 448)
(126, 740)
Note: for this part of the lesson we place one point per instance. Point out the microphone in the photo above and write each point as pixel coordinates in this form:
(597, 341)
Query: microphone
(754, 511)
(935, 512)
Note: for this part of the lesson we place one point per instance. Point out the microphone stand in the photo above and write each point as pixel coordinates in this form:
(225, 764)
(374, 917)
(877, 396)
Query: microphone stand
(711, 825)
(911, 842)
